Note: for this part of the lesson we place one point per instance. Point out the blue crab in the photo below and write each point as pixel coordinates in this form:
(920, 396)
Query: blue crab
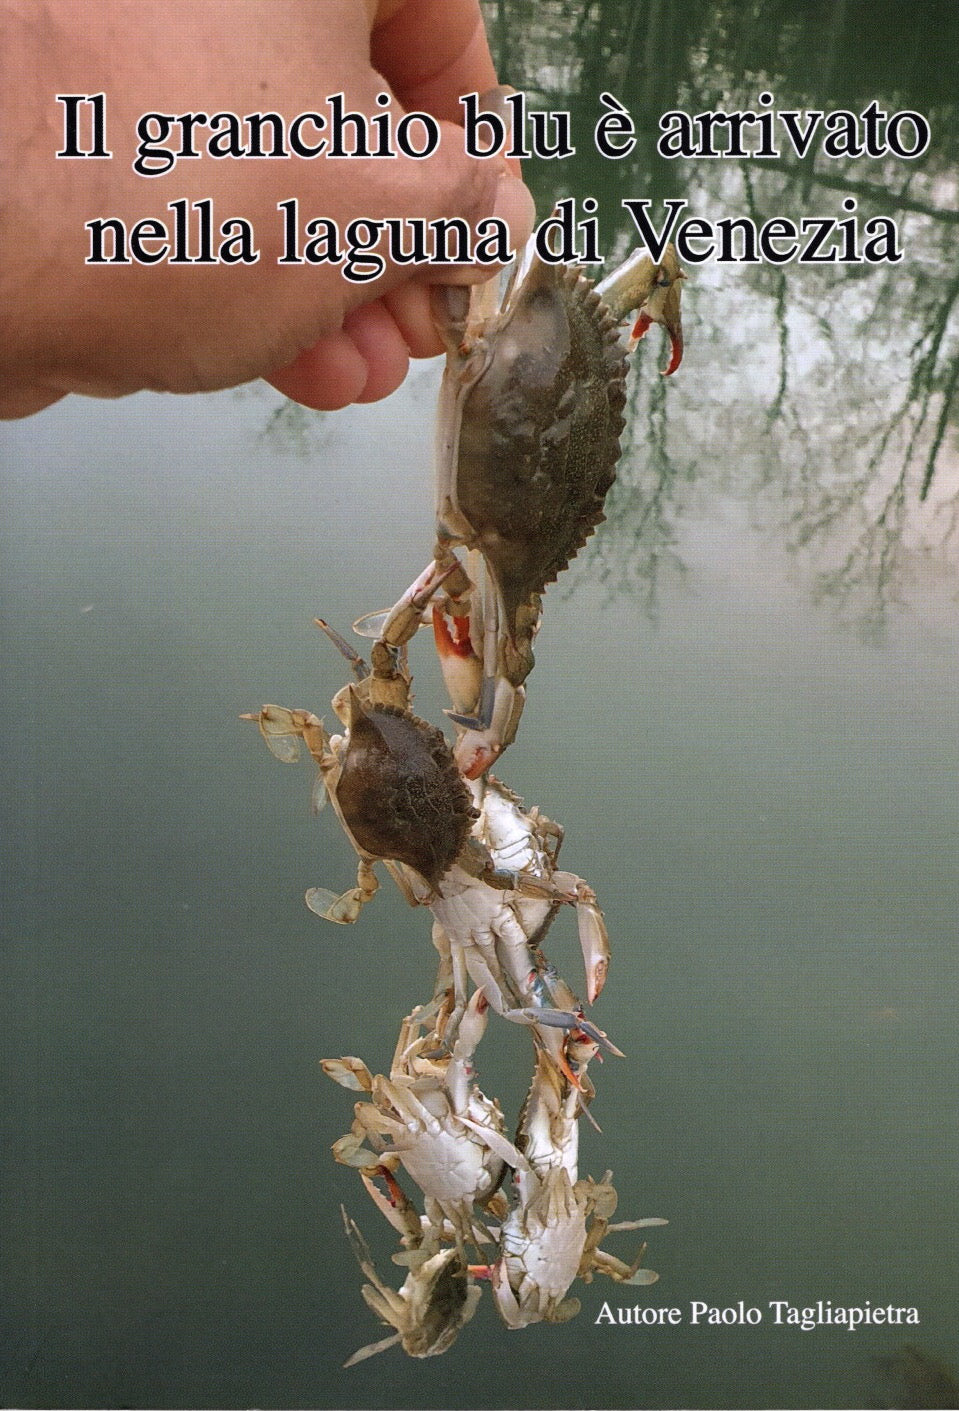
(528, 438)
(552, 1233)
(394, 785)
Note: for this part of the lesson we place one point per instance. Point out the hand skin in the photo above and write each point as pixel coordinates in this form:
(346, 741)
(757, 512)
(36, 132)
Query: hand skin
(114, 329)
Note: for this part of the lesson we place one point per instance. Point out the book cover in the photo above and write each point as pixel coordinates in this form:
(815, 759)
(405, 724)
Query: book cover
(744, 714)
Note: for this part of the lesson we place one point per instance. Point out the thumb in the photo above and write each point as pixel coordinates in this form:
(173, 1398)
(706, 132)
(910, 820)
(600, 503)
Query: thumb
(449, 194)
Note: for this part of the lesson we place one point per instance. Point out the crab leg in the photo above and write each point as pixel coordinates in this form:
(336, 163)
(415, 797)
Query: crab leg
(593, 936)
(478, 934)
(493, 723)
(437, 1297)
(396, 1206)
(653, 290)
(385, 1301)
(282, 728)
(344, 908)
(399, 624)
(566, 887)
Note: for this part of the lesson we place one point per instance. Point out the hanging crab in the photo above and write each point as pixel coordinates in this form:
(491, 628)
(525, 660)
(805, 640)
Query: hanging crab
(448, 1136)
(401, 800)
(531, 412)
(552, 1234)
(394, 787)
(527, 843)
(437, 1297)
(528, 426)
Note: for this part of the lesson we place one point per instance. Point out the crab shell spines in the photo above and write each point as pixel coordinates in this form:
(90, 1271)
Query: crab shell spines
(539, 431)
(400, 792)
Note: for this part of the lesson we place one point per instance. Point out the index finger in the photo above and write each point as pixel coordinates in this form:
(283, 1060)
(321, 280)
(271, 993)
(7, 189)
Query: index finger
(431, 52)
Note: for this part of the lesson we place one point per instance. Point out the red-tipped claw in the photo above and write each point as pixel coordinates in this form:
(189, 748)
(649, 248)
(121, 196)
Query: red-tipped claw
(673, 327)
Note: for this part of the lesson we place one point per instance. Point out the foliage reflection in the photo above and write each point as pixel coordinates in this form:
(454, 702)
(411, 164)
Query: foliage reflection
(827, 394)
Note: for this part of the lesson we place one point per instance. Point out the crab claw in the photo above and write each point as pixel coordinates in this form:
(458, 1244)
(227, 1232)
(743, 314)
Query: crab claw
(474, 751)
(564, 1019)
(662, 306)
(487, 733)
(654, 290)
(461, 666)
(507, 1304)
(675, 332)
(673, 327)
(594, 941)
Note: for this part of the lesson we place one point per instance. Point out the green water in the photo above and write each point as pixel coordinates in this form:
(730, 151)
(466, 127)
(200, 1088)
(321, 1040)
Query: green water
(744, 711)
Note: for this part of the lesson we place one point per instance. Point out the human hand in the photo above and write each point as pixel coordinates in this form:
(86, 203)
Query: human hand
(109, 330)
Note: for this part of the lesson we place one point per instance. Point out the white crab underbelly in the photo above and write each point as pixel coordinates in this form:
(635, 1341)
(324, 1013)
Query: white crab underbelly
(452, 1166)
(542, 1261)
(470, 910)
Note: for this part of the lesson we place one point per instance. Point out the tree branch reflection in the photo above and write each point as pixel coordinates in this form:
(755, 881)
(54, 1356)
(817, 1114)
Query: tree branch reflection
(824, 394)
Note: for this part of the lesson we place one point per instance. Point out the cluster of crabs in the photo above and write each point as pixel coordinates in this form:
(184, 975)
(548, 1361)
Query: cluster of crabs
(529, 424)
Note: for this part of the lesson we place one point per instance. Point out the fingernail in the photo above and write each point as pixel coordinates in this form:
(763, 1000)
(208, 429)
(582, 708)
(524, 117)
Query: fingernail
(515, 206)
